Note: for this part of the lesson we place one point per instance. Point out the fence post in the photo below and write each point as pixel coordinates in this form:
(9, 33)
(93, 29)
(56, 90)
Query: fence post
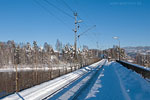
(16, 78)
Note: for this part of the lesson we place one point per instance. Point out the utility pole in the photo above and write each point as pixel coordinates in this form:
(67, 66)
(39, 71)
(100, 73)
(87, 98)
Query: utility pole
(119, 51)
(75, 33)
(97, 49)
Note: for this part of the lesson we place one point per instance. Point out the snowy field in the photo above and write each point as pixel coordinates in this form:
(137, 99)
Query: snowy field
(10, 68)
(45, 89)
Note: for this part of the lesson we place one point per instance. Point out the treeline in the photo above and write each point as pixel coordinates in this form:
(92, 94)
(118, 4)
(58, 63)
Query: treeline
(26, 54)
(56, 63)
(12, 53)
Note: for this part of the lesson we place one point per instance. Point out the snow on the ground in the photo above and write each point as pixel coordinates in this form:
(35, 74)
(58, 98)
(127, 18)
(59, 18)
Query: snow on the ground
(96, 86)
(104, 86)
(112, 82)
(21, 69)
(45, 89)
(135, 85)
(33, 67)
(40, 67)
(73, 90)
(116, 82)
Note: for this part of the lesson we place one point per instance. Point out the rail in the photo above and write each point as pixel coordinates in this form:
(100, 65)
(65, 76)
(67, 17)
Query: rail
(47, 89)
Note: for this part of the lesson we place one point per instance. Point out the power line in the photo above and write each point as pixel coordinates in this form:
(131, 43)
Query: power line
(68, 6)
(50, 13)
(58, 9)
(83, 33)
(84, 22)
(86, 30)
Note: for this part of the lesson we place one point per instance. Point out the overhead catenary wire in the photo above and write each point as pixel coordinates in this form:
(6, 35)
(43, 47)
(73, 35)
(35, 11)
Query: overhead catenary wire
(84, 21)
(59, 9)
(84, 25)
(68, 6)
(86, 31)
(50, 13)
(64, 12)
(67, 13)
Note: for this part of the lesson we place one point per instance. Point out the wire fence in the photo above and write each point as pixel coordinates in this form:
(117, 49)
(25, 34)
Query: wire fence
(29, 77)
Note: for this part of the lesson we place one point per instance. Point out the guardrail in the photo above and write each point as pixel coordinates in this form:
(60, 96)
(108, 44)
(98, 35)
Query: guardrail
(145, 72)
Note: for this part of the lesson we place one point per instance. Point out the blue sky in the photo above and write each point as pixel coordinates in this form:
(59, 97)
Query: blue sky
(26, 21)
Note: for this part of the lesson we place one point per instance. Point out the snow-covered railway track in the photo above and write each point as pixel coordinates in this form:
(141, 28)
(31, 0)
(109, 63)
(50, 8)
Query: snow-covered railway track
(72, 91)
(60, 88)
(86, 84)
(49, 88)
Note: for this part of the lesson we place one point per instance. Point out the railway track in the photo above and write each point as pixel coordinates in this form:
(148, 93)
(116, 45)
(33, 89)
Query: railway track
(78, 88)
(48, 89)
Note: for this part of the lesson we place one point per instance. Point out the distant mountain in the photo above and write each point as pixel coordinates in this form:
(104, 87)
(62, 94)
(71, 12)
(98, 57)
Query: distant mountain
(139, 49)
(132, 51)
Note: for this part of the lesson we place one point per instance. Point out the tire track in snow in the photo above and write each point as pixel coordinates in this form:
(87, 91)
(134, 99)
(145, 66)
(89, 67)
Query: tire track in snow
(127, 97)
(96, 86)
